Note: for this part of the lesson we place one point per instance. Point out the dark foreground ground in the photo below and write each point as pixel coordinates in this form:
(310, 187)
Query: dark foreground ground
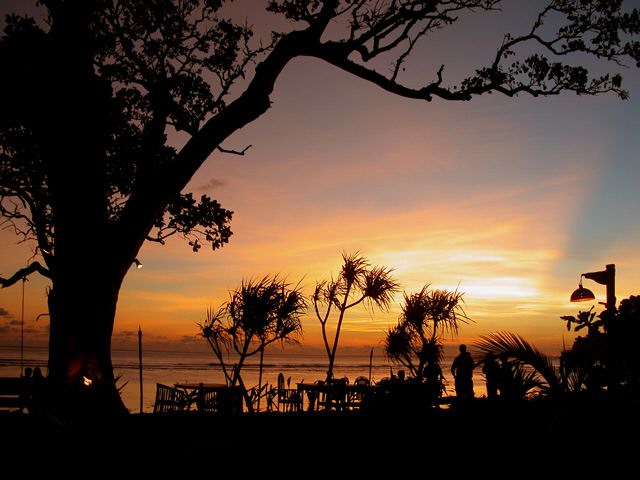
(537, 439)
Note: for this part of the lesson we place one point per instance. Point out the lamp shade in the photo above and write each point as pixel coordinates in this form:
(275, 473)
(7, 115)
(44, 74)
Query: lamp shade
(582, 295)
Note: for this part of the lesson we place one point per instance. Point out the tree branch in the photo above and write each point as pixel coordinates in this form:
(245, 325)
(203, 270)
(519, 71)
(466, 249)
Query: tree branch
(148, 200)
(360, 300)
(25, 272)
(234, 152)
(331, 53)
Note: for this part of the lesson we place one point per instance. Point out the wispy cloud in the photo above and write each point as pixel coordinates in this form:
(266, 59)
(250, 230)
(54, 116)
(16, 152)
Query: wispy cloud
(213, 184)
(126, 333)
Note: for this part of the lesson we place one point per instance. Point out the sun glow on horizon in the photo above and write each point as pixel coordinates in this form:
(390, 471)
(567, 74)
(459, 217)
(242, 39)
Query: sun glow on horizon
(507, 200)
(497, 288)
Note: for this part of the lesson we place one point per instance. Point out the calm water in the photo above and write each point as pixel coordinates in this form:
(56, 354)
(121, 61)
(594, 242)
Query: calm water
(173, 367)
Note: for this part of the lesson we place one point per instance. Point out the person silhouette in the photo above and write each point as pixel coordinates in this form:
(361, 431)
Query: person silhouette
(433, 379)
(37, 375)
(26, 388)
(491, 371)
(506, 378)
(462, 371)
(37, 382)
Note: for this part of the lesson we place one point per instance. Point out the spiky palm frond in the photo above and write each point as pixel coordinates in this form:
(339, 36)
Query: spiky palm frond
(326, 292)
(514, 346)
(267, 309)
(574, 379)
(352, 273)
(398, 346)
(431, 351)
(414, 311)
(424, 315)
(292, 306)
(445, 310)
(252, 305)
(258, 312)
(397, 342)
(379, 287)
(213, 327)
(318, 292)
(524, 381)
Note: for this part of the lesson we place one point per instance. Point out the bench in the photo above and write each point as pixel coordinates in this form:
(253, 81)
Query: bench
(14, 393)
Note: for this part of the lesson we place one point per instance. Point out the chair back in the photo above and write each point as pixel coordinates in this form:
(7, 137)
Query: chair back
(168, 399)
(288, 398)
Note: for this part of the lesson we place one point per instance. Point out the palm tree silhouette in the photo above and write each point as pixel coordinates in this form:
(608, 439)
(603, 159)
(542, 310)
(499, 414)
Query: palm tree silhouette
(357, 282)
(259, 313)
(415, 339)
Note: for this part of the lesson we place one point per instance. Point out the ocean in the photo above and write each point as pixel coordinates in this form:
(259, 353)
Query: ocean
(171, 367)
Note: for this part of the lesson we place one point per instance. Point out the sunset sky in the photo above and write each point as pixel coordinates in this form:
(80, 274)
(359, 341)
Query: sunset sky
(508, 200)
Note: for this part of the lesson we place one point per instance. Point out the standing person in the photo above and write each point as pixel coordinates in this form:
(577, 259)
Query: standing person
(462, 371)
(506, 378)
(37, 376)
(433, 379)
(26, 387)
(491, 371)
(37, 385)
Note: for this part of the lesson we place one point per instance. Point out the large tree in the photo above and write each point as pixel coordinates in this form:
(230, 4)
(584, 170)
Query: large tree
(90, 95)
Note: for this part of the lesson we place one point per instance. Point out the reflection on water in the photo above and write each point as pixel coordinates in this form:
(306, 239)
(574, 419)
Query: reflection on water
(170, 367)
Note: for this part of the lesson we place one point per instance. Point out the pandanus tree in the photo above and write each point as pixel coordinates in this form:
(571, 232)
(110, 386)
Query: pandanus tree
(357, 283)
(259, 313)
(109, 108)
(417, 337)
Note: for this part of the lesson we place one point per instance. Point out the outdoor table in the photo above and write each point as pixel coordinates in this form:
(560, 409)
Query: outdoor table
(333, 396)
(229, 398)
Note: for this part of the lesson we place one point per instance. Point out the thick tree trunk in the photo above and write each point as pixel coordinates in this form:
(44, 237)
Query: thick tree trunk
(88, 263)
(81, 378)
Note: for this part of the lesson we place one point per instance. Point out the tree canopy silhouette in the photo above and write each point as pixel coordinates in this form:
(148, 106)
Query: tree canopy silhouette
(258, 313)
(357, 282)
(90, 95)
(604, 361)
(416, 338)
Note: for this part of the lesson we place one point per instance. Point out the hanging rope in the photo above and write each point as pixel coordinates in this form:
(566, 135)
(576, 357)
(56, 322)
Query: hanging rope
(24, 280)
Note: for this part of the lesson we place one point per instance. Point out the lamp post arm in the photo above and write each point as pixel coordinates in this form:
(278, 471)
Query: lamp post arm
(599, 277)
(606, 277)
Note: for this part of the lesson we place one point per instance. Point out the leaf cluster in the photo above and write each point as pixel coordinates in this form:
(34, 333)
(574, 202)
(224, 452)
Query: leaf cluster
(605, 358)
(357, 282)
(205, 219)
(158, 66)
(258, 313)
(520, 352)
(415, 339)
